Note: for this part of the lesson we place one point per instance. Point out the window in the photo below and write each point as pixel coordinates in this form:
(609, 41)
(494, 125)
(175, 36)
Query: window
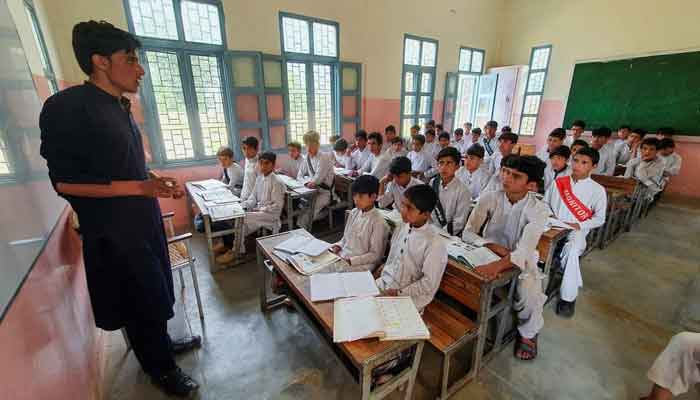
(534, 88)
(5, 165)
(41, 46)
(183, 53)
(310, 53)
(471, 66)
(417, 81)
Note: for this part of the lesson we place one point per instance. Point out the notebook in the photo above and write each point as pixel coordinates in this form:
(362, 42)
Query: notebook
(209, 184)
(386, 318)
(342, 171)
(304, 244)
(290, 182)
(345, 284)
(222, 195)
(556, 223)
(226, 211)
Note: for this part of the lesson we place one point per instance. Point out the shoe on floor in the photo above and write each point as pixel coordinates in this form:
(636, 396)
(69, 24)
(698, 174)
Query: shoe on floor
(219, 248)
(225, 258)
(566, 309)
(187, 343)
(176, 383)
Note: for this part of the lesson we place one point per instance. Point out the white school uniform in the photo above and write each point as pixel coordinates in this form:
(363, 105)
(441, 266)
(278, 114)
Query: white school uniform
(494, 184)
(342, 160)
(358, 158)
(456, 200)
(233, 178)
(290, 166)
(569, 140)
(420, 161)
(677, 368)
(493, 163)
(393, 193)
(460, 145)
(649, 173)
(624, 153)
(543, 154)
(267, 200)
(593, 196)
(517, 227)
(377, 166)
(251, 172)
(319, 172)
(550, 175)
(432, 149)
(672, 164)
(606, 164)
(415, 265)
(364, 239)
(490, 144)
(476, 181)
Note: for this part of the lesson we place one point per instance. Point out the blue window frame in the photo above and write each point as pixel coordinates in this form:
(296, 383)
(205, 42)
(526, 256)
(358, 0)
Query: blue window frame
(41, 46)
(534, 88)
(417, 81)
(310, 54)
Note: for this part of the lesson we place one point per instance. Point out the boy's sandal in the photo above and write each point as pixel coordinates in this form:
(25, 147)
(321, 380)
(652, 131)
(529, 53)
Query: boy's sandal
(526, 349)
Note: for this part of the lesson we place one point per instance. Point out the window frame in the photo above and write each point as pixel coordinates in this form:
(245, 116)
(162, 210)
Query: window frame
(418, 70)
(38, 34)
(527, 93)
(469, 72)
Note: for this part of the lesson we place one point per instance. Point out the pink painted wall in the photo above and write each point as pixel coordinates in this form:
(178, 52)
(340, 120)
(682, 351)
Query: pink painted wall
(50, 346)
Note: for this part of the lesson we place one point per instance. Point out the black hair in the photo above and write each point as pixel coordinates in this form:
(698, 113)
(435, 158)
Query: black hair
(340, 145)
(602, 131)
(295, 144)
(416, 127)
(269, 156)
(666, 143)
(438, 126)
(558, 133)
(431, 122)
(376, 136)
(561, 151)
(361, 134)
(251, 141)
(625, 127)
(365, 184)
(419, 138)
(651, 141)
(666, 131)
(224, 151)
(492, 124)
(639, 131)
(590, 152)
(468, 123)
(423, 197)
(430, 132)
(532, 166)
(390, 128)
(101, 38)
(449, 152)
(476, 150)
(444, 135)
(459, 131)
(400, 165)
(579, 142)
(506, 159)
(477, 130)
(396, 140)
(509, 136)
(506, 129)
(580, 123)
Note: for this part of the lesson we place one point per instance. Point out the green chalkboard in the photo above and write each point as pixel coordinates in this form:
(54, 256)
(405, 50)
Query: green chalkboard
(645, 92)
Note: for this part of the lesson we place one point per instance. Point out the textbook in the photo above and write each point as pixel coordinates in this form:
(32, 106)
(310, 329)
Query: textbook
(290, 182)
(303, 244)
(307, 265)
(342, 171)
(470, 255)
(226, 211)
(344, 284)
(221, 195)
(386, 318)
(209, 184)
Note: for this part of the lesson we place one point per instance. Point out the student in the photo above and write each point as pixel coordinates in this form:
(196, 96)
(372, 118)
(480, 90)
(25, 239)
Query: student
(431, 125)
(580, 202)
(364, 238)
(414, 131)
(317, 172)
(665, 133)
(332, 139)
(648, 168)
(232, 174)
(263, 207)
(515, 219)
(622, 134)
(672, 160)
(474, 174)
(630, 149)
(558, 165)
(438, 127)
(506, 129)
(418, 256)
(420, 160)
(444, 141)
(489, 141)
(431, 147)
(555, 139)
(577, 128)
(496, 180)
(290, 166)
(389, 135)
(378, 162)
(458, 142)
(397, 147)
(251, 171)
(506, 142)
(606, 165)
(360, 152)
(395, 183)
(454, 197)
(476, 135)
(578, 145)
(340, 153)
(467, 127)
(677, 368)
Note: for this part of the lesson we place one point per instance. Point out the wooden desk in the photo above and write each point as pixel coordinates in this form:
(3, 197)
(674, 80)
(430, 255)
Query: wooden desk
(290, 195)
(193, 197)
(546, 247)
(360, 356)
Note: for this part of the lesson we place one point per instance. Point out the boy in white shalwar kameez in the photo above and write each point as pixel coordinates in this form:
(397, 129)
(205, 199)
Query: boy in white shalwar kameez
(606, 165)
(515, 219)
(421, 161)
(366, 231)
(395, 183)
(474, 173)
(251, 169)
(677, 368)
(558, 166)
(648, 168)
(672, 160)
(378, 162)
(580, 202)
(506, 142)
(232, 174)
(318, 173)
(454, 198)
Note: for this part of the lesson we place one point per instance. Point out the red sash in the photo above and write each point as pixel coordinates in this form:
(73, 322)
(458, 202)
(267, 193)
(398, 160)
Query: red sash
(577, 208)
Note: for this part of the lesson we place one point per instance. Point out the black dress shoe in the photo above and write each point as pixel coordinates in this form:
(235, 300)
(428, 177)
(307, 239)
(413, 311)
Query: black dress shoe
(186, 344)
(566, 309)
(176, 383)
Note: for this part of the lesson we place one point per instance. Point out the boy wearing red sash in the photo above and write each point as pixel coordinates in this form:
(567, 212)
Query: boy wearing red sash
(580, 202)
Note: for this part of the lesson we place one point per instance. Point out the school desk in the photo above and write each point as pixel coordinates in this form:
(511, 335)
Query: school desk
(360, 356)
(291, 197)
(547, 246)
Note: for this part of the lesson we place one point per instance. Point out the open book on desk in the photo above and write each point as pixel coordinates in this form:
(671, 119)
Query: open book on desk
(222, 195)
(344, 284)
(291, 183)
(226, 211)
(208, 184)
(386, 318)
(307, 265)
(303, 244)
(470, 255)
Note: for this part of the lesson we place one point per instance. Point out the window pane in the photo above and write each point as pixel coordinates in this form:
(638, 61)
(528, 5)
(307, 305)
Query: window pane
(406, 125)
(4, 161)
(296, 35)
(532, 104)
(409, 105)
(325, 43)
(201, 22)
(536, 82)
(540, 58)
(428, 58)
(53, 86)
(210, 102)
(425, 106)
(298, 116)
(464, 59)
(527, 127)
(153, 18)
(465, 99)
(273, 73)
(477, 61)
(421, 123)
(411, 52)
(35, 31)
(323, 101)
(164, 72)
(425, 81)
(410, 82)
(349, 78)
(243, 69)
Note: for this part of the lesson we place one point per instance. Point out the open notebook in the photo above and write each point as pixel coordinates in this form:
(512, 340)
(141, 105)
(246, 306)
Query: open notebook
(386, 318)
(344, 284)
(470, 255)
(305, 245)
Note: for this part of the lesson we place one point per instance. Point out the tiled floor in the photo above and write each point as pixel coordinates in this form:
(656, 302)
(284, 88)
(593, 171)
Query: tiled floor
(630, 306)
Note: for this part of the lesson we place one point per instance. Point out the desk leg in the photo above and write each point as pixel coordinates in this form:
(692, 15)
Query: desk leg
(414, 370)
(266, 303)
(485, 310)
(548, 263)
(238, 239)
(210, 244)
(290, 211)
(190, 213)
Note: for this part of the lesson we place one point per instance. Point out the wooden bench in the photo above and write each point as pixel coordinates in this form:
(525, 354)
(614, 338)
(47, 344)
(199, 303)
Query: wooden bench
(623, 196)
(525, 149)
